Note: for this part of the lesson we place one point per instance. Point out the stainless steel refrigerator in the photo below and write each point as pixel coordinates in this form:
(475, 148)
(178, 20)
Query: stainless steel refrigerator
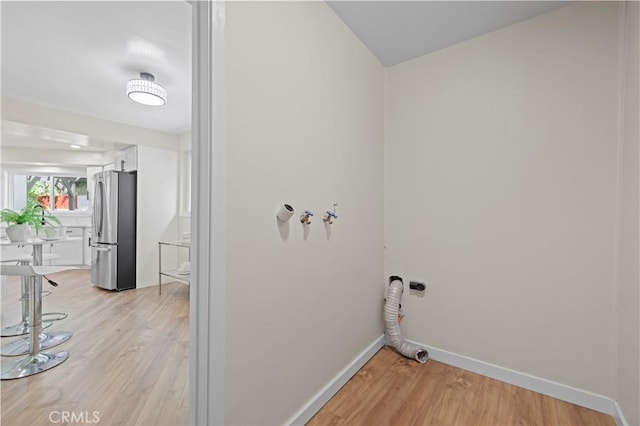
(113, 231)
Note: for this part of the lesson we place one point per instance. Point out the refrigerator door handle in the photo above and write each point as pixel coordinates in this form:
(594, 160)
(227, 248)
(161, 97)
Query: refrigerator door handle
(98, 248)
(98, 208)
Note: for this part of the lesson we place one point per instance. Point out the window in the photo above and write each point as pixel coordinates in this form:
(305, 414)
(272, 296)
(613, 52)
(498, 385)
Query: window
(55, 193)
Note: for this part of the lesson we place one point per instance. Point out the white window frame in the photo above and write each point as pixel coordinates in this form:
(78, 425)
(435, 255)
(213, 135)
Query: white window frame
(10, 174)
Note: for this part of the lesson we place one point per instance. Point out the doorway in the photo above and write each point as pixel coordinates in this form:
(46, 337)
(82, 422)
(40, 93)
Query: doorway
(206, 293)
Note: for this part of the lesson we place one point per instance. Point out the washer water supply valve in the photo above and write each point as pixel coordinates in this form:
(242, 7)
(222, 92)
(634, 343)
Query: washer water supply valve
(305, 218)
(331, 216)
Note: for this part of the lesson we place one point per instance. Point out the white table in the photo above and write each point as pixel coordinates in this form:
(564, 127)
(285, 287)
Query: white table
(37, 360)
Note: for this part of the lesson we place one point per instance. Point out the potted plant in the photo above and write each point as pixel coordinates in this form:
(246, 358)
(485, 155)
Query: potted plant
(32, 215)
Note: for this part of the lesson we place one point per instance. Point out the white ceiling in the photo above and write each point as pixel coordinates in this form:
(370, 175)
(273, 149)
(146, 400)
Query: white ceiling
(79, 55)
(396, 31)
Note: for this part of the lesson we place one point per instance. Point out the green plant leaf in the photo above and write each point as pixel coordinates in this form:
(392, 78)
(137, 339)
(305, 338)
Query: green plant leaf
(32, 214)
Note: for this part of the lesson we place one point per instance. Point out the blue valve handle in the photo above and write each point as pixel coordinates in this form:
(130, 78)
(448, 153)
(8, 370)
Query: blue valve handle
(332, 214)
(308, 213)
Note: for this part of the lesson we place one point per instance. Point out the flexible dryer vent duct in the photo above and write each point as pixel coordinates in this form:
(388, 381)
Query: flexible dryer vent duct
(392, 327)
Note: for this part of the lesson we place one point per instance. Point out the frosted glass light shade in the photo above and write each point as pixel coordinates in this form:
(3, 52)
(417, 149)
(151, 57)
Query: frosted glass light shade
(146, 91)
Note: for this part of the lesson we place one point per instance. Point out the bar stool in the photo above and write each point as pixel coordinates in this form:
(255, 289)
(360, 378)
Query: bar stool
(37, 360)
(23, 327)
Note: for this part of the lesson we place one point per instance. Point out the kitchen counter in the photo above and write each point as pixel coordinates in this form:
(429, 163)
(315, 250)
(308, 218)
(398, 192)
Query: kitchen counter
(72, 250)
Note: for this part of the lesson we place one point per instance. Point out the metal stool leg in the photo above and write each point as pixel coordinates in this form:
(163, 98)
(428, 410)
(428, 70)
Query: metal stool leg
(36, 361)
(47, 340)
(23, 326)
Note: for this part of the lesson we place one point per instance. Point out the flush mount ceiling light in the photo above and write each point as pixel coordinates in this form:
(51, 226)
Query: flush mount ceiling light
(146, 91)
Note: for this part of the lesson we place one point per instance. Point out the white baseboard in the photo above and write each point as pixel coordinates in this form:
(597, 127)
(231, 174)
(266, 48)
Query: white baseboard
(570, 394)
(619, 416)
(325, 394)
(150, 284)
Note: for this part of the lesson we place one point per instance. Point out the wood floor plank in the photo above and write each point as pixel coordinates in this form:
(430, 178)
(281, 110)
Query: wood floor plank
(129, 362)
(128, 357)
(393, 390)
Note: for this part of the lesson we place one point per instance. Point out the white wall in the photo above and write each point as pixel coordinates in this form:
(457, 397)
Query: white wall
(157, 211)
(19, 192)
(97, 129)
(628, 351)
(184, 176)
(14, 157)
(304, 125)
(5, 189)
(184, 141)
(184, 219)
(500, 182)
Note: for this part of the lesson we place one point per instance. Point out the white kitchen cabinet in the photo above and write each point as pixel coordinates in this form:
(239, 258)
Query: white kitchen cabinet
(86, 249)
(126, 160)
(70, 252)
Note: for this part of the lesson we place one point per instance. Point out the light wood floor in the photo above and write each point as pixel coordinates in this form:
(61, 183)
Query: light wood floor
(128, 357)
(392, 390)
(129, 363)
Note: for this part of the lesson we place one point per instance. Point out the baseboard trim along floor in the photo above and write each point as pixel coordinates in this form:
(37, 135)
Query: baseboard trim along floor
(326, 393)
(562, 392)
(619, 415)
(550, 388)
